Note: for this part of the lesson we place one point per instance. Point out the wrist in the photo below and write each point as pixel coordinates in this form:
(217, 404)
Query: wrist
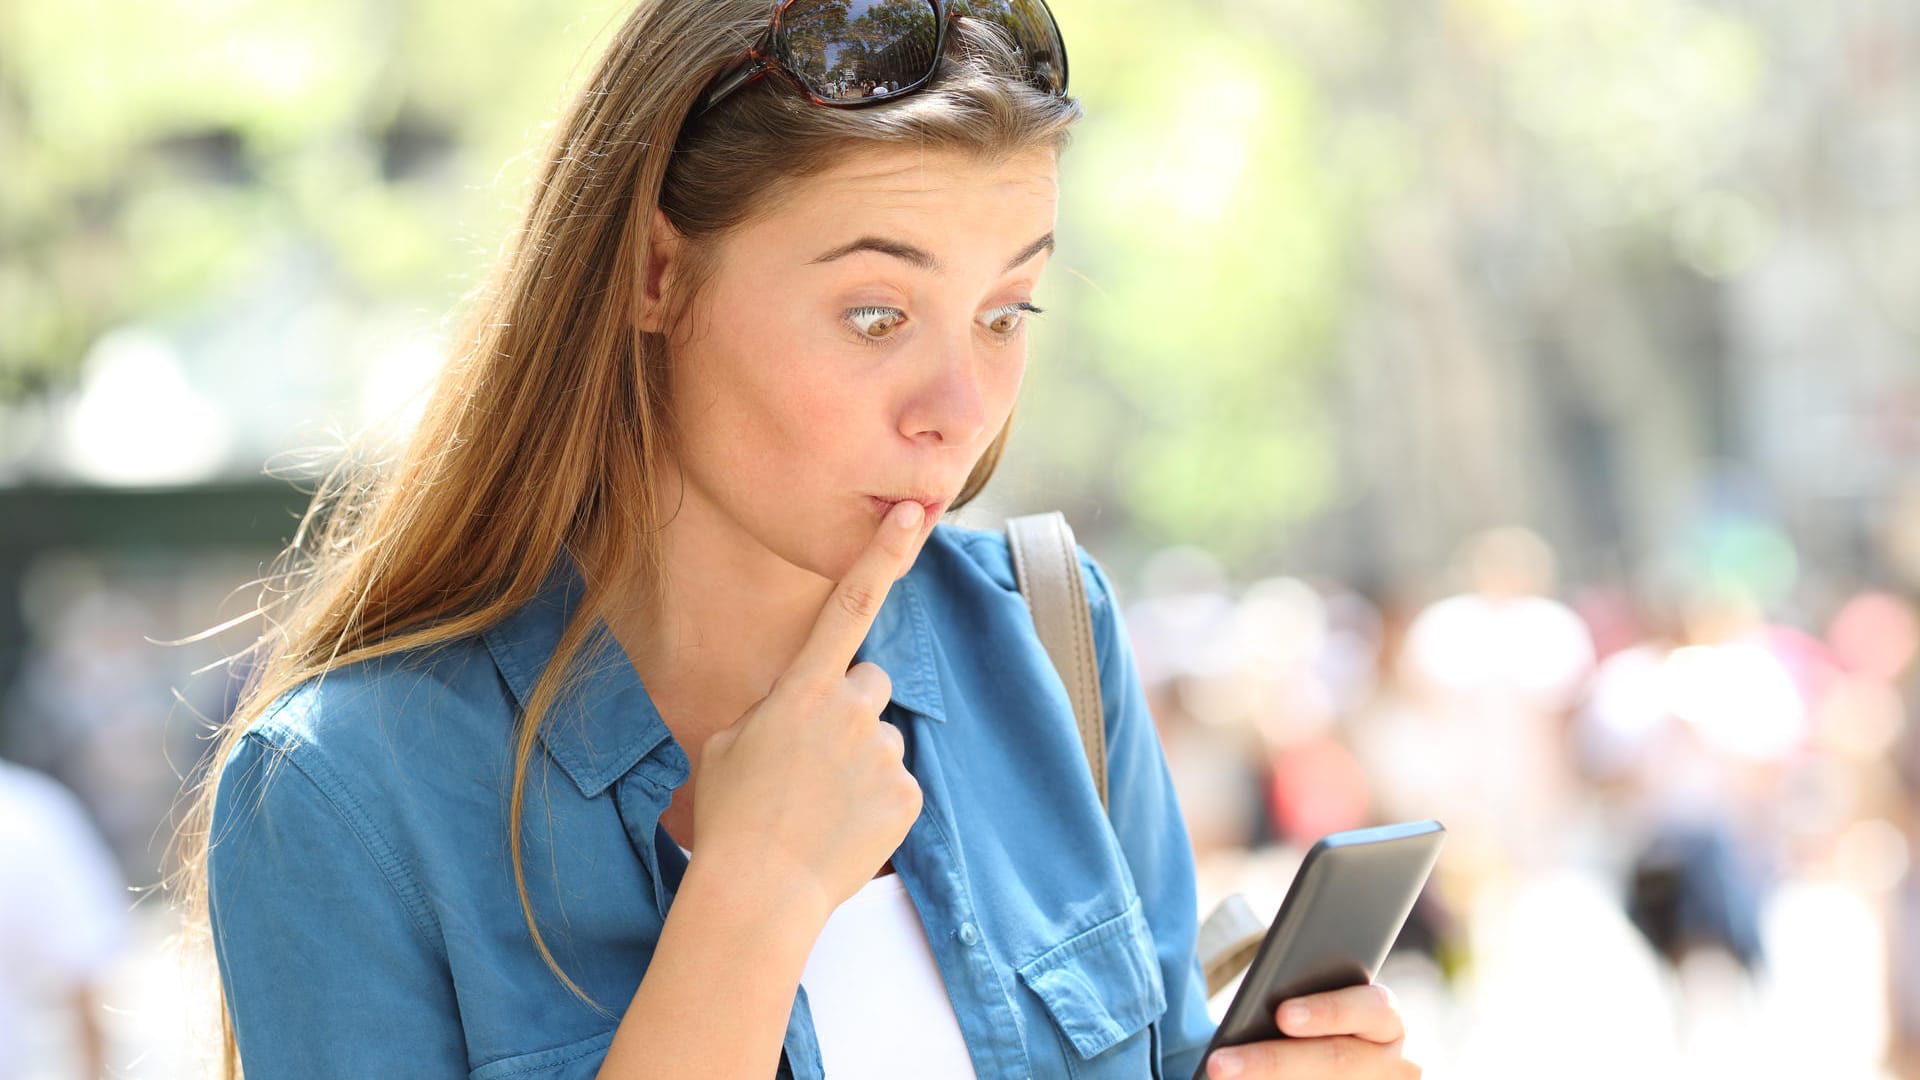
(757, 892)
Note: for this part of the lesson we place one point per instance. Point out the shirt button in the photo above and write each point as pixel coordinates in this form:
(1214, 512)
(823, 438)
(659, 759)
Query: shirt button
(968, 935)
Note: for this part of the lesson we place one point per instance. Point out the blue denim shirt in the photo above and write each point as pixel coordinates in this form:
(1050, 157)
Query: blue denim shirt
(364, 912)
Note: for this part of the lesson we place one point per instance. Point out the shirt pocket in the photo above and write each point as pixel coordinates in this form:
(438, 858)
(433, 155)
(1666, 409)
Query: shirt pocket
(578, 1059)
(1103, 990)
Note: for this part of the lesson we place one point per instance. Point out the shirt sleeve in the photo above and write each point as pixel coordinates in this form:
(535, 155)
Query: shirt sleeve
(1153, 834)
(326, 948)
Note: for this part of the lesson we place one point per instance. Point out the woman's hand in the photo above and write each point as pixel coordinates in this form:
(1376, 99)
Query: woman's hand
(809, 788)
(1353, 1034)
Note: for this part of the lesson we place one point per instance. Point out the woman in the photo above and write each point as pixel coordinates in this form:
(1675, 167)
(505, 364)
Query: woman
(670, 526)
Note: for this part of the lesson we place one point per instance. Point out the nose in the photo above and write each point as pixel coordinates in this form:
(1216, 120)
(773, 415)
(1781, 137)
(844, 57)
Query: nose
(948, 405)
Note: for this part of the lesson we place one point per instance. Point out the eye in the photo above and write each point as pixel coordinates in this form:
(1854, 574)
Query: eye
(1006, 319)
(874, 324)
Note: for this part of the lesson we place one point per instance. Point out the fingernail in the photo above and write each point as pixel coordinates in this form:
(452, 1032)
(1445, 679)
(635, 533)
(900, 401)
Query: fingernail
(1224, 1063)
(1298, 1015)
(908, 513)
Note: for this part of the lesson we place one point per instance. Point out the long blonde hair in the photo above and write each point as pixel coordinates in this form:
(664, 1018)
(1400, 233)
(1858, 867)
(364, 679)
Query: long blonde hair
(545, 428)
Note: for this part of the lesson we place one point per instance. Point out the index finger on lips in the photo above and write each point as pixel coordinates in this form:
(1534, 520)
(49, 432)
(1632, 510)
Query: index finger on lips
(1369, 1012)
(850, 609)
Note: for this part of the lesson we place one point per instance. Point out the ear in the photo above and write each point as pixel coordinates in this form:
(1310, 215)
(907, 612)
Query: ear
(658, 264)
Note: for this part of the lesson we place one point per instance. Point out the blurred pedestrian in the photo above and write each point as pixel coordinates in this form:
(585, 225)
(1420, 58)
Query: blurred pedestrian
(1496, 671)
(63, 918)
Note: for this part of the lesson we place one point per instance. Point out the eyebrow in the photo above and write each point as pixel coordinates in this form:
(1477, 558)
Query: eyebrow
(920, 257)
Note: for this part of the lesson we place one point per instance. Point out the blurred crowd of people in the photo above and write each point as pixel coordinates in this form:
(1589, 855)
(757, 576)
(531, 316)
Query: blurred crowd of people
(1692, 753)
(1689, 751)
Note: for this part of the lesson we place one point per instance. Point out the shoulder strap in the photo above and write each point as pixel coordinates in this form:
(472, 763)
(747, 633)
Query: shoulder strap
(1047, 565)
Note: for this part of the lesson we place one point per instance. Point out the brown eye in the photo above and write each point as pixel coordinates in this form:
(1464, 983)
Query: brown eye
(874, 323)
(1008, 319)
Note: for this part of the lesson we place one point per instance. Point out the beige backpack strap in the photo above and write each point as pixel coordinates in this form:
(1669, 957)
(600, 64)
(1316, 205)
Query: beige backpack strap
(1229, 936)
(1047, 565)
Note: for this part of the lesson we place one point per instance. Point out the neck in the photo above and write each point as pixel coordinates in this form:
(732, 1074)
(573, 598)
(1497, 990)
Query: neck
(732, 617)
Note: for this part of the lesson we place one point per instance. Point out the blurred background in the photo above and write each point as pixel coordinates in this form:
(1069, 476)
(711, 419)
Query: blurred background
(1502, 411)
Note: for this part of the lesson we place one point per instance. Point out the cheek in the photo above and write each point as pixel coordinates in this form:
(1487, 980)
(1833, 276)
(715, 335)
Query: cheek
(819, 420)
(1000, 389)
(766, 410)
(1006, 381)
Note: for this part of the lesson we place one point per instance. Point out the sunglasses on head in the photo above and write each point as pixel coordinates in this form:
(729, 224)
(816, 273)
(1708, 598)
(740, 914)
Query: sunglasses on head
(850, 53)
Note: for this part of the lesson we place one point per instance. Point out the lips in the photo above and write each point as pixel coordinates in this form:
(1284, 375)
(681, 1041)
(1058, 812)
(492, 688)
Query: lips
(933, 503)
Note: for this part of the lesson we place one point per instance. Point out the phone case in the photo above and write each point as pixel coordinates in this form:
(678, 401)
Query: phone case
(1340, 917)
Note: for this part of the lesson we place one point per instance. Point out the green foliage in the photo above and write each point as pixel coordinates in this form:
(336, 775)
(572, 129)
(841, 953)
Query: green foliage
(158, 153)
(1215, 241)
(1241, 186)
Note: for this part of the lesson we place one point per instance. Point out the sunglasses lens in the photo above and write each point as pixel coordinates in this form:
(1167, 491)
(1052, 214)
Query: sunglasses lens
(1030, 27)
(847, 50)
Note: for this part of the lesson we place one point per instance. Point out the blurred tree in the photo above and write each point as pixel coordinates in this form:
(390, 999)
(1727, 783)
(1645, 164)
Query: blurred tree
(1337, 283)
(158, 154)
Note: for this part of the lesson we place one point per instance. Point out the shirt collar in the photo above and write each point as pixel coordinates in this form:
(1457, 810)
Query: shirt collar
(608, 724)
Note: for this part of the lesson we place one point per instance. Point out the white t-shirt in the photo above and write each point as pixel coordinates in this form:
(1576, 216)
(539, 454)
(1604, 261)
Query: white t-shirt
(63, 905)
(880, 1008)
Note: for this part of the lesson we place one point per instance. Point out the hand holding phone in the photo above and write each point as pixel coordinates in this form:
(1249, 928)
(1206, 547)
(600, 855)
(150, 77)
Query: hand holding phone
(1340, 917)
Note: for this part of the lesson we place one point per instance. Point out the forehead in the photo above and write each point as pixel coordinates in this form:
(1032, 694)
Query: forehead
(908, 172)
(938, 196)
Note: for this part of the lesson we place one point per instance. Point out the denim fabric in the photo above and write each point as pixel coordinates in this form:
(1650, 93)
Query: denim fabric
(364, 912)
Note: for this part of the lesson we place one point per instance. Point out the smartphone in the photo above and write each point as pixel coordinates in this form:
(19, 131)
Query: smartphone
(1341, 915)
